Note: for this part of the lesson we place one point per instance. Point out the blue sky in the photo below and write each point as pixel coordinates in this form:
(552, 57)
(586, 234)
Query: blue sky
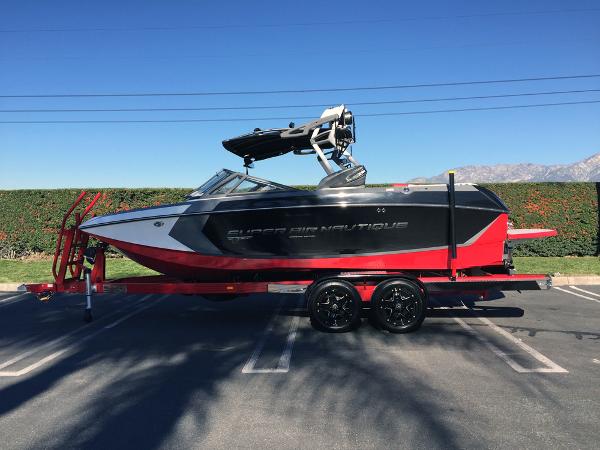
(267, 46)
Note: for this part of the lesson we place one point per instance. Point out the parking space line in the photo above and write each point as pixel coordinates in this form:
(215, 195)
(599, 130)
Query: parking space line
(13, 297)
(60, 340)
(286, 356)
(10, 300)
(283, 366)
(550, 366)
(495, 350)
(249, 366)
(583, 290)
(131, 314)
(576, 294)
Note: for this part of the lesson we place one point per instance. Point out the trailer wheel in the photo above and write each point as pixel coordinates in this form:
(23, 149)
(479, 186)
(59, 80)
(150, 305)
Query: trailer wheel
(334, 306)
(398, 306)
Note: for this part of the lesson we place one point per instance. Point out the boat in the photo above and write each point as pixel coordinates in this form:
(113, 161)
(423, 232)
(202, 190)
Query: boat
(237, 226)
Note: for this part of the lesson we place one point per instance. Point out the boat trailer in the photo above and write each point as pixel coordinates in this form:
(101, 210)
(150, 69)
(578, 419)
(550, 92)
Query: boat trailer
(398, 300)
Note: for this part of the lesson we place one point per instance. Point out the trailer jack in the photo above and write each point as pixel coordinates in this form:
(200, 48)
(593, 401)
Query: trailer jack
(87, 316)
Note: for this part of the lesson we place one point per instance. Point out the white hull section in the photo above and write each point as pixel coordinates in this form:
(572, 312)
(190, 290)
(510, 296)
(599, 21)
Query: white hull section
(131, 227)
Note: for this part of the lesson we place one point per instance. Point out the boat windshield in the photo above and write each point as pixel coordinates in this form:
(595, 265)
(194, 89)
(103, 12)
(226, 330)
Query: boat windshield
(212, 182)
(227, 182)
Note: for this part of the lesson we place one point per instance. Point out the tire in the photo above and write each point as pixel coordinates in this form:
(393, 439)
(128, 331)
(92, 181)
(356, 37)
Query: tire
(398, 306)
(334, 306)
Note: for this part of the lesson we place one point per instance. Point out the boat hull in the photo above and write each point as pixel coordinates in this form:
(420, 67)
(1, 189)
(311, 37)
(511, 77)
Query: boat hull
(486, 250)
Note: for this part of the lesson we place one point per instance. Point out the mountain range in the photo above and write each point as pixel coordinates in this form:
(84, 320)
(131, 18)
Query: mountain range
(585, 170)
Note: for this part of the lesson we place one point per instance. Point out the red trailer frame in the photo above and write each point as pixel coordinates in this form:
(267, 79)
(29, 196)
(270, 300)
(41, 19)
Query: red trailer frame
(72, 276)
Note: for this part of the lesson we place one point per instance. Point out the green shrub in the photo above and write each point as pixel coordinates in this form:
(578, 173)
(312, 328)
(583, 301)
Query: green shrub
(30, 219)
(569, 208)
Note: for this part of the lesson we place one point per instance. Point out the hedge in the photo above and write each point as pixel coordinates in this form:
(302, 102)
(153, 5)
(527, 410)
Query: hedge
(569, 208)
(29, 219)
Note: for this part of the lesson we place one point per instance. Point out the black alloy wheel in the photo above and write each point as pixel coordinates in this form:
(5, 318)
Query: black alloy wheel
(398, 306)
(334, 306)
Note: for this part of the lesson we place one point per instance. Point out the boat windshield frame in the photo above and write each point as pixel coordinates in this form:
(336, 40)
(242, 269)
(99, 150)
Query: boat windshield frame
(209, 184)
(225, 176)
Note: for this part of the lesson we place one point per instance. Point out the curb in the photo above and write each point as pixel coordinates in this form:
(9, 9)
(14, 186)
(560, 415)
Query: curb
(9, 287)
(575, 279)
(556, 281)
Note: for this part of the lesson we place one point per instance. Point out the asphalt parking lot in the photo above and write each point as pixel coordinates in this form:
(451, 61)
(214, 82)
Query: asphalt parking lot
(182, 372)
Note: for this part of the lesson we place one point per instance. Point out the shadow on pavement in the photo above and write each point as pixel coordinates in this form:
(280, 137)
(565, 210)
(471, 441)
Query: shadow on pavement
(175, 357)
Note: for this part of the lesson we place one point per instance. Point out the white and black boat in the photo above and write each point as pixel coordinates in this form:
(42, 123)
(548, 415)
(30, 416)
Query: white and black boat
(236, 225)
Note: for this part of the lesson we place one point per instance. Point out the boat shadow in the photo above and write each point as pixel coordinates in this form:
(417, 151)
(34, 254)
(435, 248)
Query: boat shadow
(444, 307)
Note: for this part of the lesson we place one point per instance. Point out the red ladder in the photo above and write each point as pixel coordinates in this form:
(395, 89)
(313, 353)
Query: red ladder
(71, 243)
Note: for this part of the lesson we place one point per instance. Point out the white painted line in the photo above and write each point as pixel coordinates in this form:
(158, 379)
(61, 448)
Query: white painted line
(26, 370)
(283, 366)
(65, 337)
(576, 294)
(249, 366)
(59, 340)
(495, 350)
(131, 314)
(286, 356)
(56, 354)
(584, 291)
(550, 366)
(12, 297)
(11, 300)
(253, 370)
